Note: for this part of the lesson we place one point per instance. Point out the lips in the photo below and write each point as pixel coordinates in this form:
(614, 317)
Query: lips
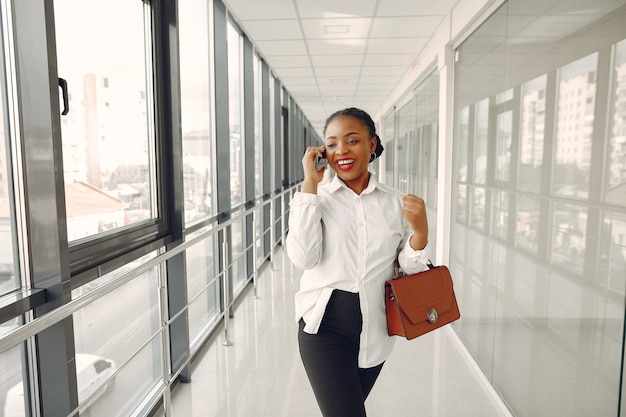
(344, 164)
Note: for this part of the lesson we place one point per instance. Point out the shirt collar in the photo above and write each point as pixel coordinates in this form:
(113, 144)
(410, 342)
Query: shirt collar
(337, 184)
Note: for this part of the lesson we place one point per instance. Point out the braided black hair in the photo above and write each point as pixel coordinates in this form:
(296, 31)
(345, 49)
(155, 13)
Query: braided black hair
(364, 118)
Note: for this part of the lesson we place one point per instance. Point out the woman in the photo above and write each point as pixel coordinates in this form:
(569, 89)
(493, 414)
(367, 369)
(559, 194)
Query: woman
(347, 236)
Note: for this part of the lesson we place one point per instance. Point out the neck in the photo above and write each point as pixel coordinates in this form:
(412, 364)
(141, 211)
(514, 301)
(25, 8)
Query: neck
(358, 184)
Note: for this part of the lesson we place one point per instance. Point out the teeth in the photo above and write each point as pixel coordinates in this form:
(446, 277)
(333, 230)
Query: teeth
(345, 162)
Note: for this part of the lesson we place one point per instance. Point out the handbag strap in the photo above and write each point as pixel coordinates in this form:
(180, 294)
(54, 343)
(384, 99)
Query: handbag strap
(401, 274)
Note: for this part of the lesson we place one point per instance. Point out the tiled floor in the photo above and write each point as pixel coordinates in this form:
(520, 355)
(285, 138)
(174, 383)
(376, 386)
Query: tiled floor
(260, 374)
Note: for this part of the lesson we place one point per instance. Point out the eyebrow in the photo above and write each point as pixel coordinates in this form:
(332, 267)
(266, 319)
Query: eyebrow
(346, 135)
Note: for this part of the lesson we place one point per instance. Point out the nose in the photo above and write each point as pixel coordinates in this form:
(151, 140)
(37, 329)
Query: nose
(340, 148)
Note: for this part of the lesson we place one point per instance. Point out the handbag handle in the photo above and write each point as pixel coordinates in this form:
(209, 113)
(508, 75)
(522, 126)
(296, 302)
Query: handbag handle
(401, 274)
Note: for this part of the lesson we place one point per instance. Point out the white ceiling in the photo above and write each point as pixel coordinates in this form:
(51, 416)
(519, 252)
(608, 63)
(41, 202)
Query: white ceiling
(331, 54)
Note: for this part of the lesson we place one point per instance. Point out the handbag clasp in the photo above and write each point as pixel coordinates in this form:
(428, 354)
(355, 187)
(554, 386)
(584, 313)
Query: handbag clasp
(433, 316)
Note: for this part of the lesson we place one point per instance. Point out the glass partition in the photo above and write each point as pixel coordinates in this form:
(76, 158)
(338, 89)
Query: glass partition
(9, 279)
(538, 249)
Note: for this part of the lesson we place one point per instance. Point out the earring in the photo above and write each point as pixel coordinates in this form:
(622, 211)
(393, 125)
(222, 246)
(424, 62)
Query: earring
(372, 157)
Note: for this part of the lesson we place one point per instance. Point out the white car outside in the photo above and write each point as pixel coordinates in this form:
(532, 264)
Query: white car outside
(92, 372)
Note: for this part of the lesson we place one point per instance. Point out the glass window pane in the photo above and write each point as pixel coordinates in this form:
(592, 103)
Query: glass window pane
(500, 214)
(568, 236)
(532, 134)
(108, 111)
(239, 275)
(613, 256)
(235, 104)
(527, 223)
(616, 165)
(461, 204)
(202, 287)
(196, 109)
(575, 113)
(481, 137)
(388, 140)
(108, 332)
(504, 134)
(477, 208)
(9, 279)
(462, 143)
(258, 127)
(12, 384)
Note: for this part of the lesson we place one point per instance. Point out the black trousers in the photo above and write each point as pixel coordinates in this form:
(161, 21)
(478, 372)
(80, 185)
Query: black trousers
(330, 359)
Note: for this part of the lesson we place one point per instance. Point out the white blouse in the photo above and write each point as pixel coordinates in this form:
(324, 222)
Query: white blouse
(351, 242)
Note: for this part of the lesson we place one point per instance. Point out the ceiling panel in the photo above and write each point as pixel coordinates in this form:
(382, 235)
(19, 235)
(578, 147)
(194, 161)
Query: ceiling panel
(398, 27)
(336, 28)
(334, 8)
(337, 61)
(337, 46)
(396, 46)
(291, 61)
(266, 9)
(281, 48)
(262, 30)
(414, 7)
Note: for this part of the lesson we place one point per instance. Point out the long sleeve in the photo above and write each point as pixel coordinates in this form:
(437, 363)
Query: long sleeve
(304, 241)
(412, 261)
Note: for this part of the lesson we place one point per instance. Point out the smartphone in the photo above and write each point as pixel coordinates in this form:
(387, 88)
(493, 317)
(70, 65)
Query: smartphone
(321, 161)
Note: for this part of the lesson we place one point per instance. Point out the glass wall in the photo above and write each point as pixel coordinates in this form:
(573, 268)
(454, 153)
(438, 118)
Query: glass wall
(198, 146)
(9, 279)
(416, 149)
(235, 113)
(538, 250)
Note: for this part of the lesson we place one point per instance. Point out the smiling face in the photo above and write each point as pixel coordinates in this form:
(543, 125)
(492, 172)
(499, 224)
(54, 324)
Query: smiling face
(348, 149)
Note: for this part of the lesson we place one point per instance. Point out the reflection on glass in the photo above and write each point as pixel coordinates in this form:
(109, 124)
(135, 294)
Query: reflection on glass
(202, 287)
(235, 93)
(461, 204)
(613, 252)
(576, 103)
(463, 144)
(9, 280)
(108, 111)
(504, 132)
(616, 166)
(477, 208)
(239, 275)
(500, 214)
(108, 332)
(568, 235)
(532, 134)
(11, 383)
(258, 127)
(407, 150)
(195, 109)
(481, 138)
(544, 306)
(527, 223)
(388, 140)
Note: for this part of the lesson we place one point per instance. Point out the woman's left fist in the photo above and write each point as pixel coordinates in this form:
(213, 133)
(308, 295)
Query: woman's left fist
(414, 211)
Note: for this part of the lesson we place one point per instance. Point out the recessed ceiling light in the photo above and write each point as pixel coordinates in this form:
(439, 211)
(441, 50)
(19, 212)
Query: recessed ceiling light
(336, 29)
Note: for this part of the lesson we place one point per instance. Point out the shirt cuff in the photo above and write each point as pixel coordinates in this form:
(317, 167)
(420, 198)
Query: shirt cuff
(300, 198)
(419, 255)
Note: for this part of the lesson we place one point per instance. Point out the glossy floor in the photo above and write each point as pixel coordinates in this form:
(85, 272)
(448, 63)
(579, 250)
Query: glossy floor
(260, 374)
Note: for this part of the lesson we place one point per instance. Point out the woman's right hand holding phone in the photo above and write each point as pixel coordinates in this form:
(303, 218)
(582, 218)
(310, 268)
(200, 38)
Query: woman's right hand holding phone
(312, 177)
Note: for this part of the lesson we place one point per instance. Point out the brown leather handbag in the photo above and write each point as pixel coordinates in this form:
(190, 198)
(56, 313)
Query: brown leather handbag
(419, 303)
